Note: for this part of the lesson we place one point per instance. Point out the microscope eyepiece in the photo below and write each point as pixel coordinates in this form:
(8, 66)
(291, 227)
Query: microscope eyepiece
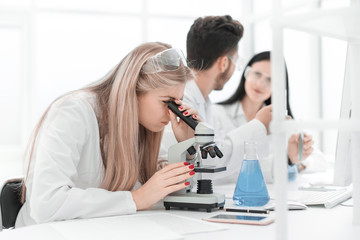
(187, 119)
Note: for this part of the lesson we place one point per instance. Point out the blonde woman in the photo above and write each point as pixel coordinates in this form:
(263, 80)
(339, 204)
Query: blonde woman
(94, 152)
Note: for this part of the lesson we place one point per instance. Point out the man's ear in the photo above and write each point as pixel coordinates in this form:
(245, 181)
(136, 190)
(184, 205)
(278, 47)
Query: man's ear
(222, 63)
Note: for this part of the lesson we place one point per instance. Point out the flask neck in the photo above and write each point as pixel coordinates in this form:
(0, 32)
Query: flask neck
(251, 156)
(250, 151)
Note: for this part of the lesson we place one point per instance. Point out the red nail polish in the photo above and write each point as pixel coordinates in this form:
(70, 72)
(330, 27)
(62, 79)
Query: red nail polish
(192, 173)
(194, 116)
(186, 113)
(191, 166)
(187, 183)
(186, 163)
(181, 108)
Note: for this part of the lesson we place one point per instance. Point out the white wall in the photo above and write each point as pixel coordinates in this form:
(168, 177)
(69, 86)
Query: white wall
(48, 47)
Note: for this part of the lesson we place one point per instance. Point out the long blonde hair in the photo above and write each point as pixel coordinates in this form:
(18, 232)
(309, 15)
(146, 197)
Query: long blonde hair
(129, 151)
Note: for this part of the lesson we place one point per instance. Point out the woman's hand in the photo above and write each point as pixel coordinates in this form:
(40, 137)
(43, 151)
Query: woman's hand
(165, 181)
(264, 116)
(293, 147)
(181, 130)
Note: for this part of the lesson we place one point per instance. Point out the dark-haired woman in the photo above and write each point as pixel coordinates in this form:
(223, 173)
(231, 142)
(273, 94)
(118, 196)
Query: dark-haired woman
(254, 93)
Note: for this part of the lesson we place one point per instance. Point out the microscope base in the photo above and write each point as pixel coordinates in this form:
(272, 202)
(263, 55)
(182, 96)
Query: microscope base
(195, 201)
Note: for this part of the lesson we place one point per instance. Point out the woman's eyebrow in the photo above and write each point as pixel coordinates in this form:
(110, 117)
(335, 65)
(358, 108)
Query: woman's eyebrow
(172, 98)
(168, 97)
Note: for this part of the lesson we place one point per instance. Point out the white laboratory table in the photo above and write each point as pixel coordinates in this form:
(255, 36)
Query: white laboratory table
(313, 223)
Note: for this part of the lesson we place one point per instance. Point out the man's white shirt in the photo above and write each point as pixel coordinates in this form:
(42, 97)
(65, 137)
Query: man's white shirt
(230, 143)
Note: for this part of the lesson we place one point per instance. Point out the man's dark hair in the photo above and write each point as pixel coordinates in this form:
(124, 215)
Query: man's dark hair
(210, 38)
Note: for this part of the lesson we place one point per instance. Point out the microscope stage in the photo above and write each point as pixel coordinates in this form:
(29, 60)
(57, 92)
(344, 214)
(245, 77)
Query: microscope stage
(194, 200)
(209, 169)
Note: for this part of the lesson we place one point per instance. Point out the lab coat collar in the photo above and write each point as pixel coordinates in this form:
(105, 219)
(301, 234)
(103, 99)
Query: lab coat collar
(236, 110)
(194, 90)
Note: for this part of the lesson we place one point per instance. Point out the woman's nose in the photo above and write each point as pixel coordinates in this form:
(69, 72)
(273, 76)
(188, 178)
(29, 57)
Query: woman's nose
(260, 82)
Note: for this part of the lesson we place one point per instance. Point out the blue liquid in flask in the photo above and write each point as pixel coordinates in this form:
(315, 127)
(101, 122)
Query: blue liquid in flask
(251, 189)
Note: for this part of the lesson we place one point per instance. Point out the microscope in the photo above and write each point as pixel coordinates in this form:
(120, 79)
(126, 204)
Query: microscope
(203, 198)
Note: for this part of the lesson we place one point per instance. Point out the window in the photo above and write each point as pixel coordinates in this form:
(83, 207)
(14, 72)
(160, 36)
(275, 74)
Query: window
(52, 46)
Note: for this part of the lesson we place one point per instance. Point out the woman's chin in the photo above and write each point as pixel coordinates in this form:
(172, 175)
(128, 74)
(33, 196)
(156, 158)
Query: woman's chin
(157, 129)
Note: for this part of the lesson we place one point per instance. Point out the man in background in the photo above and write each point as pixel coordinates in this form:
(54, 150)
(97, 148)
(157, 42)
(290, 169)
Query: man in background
(212, 52)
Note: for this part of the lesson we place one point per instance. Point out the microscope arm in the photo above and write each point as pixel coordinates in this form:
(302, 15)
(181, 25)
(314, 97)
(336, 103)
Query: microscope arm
(177, 152)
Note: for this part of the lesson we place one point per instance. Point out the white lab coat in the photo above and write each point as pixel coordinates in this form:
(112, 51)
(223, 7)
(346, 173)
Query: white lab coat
(230, 143)
(231, 116)
(67, 170)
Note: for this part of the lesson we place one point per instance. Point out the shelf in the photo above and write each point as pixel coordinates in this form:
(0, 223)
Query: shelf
(341, 23)
(319, 124)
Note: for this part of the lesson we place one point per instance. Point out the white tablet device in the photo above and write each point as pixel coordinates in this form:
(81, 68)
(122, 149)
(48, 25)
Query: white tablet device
(242, 219)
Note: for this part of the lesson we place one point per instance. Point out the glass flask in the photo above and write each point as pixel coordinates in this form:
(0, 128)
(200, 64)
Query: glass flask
(250, 188)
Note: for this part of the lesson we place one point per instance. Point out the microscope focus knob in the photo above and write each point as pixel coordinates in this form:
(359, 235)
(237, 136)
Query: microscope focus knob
(191, 150)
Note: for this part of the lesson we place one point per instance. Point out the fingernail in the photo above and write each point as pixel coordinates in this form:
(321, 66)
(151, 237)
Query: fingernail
(194, 116)
(192, 173)
(181, 108)
(187, 183)
(191, 166)
(186, 163)
(186, 113)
